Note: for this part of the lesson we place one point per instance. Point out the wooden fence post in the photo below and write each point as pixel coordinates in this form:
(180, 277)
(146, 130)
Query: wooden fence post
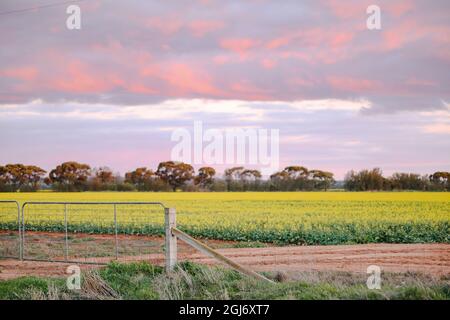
(171, 239)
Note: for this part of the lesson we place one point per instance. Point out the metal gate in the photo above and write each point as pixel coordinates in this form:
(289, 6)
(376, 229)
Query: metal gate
(10, 236)
(89, 232)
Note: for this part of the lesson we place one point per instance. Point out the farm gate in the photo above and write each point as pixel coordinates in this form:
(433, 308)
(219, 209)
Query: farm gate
(95, 233)
(89, 232)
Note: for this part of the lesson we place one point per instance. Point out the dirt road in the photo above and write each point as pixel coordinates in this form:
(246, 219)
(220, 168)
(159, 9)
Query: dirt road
(431, 259)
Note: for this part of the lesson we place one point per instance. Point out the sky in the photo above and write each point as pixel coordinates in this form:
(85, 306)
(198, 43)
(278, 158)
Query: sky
(112, 93)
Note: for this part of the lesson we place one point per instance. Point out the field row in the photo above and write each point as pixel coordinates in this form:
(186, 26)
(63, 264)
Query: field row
(284, 218)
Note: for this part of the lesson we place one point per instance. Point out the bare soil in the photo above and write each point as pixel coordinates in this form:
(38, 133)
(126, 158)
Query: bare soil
(429, 259)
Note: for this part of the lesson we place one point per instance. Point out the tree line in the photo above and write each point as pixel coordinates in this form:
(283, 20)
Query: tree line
(173, 176)
(367, 180)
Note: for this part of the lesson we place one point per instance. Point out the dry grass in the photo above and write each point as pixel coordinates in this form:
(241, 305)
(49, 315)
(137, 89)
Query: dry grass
(95, 288)
(181, 283)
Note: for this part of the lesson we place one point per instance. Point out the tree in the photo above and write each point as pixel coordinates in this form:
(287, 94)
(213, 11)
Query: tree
(297, 172)
(233, 173)
(4, 180)
(15, 177)
(102, 179)
(250, 179)
(70, 176)
(441, 179)
(322, 179)
(280, 181)
(365, 180)
(144, 179)
(233, 177)
(33, 176)
(407, 181)
(250, 175)
(292, 178)
(205, 177)
(176, 174)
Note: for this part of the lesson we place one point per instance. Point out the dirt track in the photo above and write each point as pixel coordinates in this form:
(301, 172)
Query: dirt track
(431, 259)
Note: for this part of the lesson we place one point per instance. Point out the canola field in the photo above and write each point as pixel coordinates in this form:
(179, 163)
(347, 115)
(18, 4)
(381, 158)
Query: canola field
(281, 218)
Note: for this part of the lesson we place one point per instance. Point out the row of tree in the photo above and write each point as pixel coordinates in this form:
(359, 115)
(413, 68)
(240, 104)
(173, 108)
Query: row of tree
(368, 180)
(171, 176)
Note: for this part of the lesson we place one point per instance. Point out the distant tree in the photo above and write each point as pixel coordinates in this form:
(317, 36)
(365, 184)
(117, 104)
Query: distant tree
(407, 181)
(70, 176)
(103, 179)
(251, 180)
(293, 178)
(280, 181)
(297, 172)
(4, 179)
(104, 175)
(364, 180)
(15, 177)
(250, 175)
(441, 179)
(233, 173)
(33, 177)
(205, 177)
(176, 174)
(233, 178)
(144, 179)
(323, 180)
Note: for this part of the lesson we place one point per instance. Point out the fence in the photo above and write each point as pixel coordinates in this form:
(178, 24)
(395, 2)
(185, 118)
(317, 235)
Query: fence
(89, 232)
(173, 233)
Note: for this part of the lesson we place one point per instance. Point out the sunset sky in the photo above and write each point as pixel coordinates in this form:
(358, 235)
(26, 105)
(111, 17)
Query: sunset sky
(343, 97)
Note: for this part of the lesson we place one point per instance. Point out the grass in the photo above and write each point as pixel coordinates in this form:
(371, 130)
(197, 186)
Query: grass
(192, 281)
(282, 218)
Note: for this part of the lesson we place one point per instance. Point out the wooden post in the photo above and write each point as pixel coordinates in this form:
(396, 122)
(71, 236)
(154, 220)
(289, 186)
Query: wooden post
(171, 239)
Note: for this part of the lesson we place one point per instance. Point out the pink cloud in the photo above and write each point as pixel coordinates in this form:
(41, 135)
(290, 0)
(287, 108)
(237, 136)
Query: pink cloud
(200, 28)
(167, 25)
(297, 81)
(350, 84)
(280, 41)
(410, 31)
(140, 88)
(221, 59)
(420, 82)
(241, 46)
(247, 90)
(314, 45)
(347, 9)
(268, 63)
(340, 39)
(184, 79)
(25, 73)
(398, 8)
(82, 78)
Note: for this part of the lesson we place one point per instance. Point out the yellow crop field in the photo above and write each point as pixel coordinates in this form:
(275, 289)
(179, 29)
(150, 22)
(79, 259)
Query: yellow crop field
(291, 217)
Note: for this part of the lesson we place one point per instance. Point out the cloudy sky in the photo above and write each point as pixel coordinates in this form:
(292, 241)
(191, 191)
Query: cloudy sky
(342, 96)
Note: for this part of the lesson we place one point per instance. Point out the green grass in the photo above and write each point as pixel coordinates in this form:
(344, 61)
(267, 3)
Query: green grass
(192, 281)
